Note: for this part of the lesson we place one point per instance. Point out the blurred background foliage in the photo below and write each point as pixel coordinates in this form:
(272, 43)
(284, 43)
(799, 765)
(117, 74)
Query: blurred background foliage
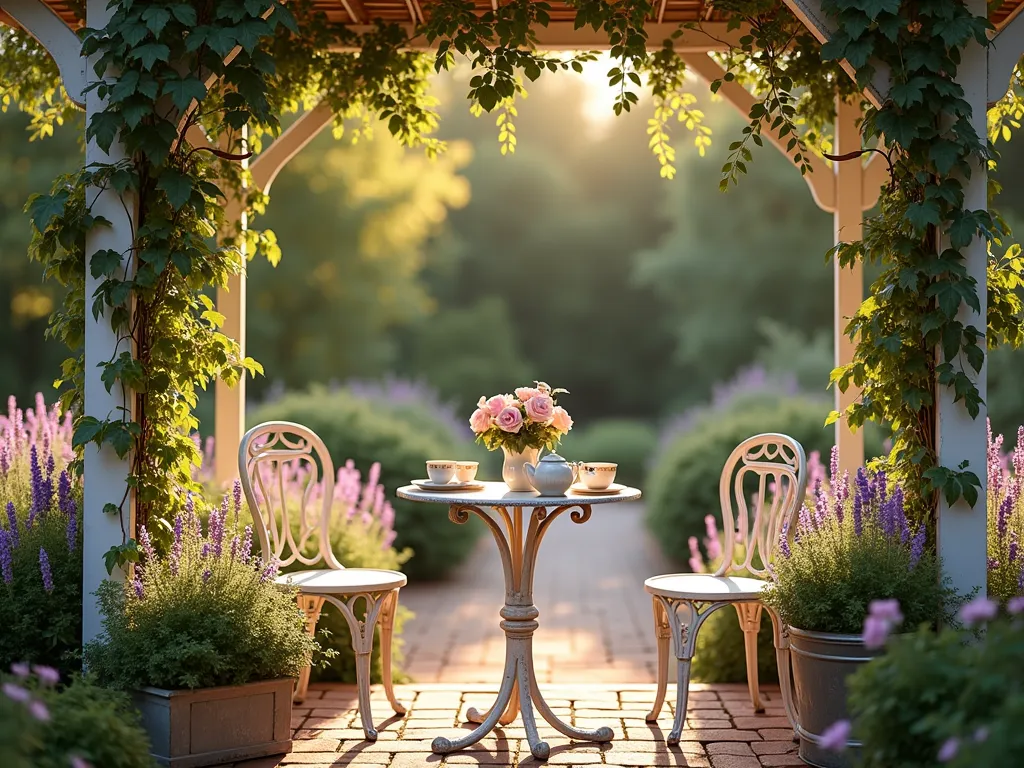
(570, 261)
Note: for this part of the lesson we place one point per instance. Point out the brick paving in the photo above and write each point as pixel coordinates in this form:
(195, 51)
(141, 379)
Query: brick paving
(722, 729)
(594, 656)
(595, 618)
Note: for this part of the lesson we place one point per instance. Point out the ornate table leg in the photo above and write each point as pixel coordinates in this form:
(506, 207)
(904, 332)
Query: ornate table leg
(519, 622)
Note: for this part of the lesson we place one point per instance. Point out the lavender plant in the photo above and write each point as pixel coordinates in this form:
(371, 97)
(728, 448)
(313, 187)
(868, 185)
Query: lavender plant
(1005, 518)
(207, 613)
(40, 540)
(854, 545)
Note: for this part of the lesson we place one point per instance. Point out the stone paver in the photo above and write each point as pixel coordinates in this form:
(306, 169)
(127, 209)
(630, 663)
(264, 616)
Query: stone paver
(436, 710)
(595, 618)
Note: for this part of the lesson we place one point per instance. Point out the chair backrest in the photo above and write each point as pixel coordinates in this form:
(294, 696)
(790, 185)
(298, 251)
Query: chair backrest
(279, 464)
(778, 467)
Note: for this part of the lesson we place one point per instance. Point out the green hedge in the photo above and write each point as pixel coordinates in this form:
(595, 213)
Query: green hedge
(366, 432)
(720, 656)
(628, 443)
(683, 485)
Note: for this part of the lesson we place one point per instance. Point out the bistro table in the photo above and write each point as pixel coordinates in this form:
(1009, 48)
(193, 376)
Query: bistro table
(503, 512)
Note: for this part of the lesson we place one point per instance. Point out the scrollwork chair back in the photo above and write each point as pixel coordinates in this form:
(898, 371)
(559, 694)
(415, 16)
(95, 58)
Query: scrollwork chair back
(779, 467)
(272, 457)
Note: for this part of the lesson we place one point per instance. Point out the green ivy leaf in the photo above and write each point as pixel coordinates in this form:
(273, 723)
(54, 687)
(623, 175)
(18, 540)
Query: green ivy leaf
(176, 186)
(45, 208)
(104, 263)
(150, 53)
(183, 91)
(156, 18)
(87, 430)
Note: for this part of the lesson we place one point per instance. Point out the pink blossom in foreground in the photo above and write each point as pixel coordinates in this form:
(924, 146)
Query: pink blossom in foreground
(835, 736)
(20, 669)
(948, 750)
(875, 632)
(888, 610)
(978, 610)
(39, 711)
(15, 692)
(47, 675)
(1015, 605)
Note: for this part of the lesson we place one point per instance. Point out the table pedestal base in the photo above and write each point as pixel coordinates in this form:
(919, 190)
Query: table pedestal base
(519, 692)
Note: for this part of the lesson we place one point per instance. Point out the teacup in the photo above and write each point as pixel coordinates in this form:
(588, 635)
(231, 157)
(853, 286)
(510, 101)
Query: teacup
(597, 475)
(440, 472)
(465, 471)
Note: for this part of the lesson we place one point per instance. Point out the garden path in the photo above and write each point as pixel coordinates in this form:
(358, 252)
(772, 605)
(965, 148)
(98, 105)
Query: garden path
(595, 618)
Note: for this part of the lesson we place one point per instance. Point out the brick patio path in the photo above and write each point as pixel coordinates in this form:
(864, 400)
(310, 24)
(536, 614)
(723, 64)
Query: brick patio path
(722, 730)
(595, 618)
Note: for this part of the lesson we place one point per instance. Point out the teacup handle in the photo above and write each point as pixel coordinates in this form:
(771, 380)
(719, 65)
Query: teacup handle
(577, 467)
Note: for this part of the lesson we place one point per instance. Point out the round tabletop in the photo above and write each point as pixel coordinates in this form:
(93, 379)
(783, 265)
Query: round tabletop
(498, 495)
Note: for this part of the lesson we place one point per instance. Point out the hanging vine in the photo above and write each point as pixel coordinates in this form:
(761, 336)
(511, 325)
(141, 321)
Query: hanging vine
(243, 63)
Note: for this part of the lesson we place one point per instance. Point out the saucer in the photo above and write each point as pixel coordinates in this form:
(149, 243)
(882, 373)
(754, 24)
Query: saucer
(611, 490)
(454, 485)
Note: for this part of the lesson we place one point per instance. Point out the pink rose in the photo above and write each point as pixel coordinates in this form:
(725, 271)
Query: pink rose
(510, 419)
(525, 393)
(540, 408)
(480, 421)
(495, 405)
(561, 420)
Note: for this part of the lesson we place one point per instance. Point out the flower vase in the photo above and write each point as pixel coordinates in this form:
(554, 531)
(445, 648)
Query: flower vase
(512, 470)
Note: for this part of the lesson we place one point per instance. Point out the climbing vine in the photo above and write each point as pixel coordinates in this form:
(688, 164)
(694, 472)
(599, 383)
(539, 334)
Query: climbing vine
(232, 67)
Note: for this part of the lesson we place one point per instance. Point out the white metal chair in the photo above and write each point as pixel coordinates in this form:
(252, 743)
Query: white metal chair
(682, 601)
(269, 451)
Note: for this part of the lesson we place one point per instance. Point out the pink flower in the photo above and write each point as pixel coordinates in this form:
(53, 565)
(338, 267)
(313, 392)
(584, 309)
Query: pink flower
(540, 408)
(39, 711)
(495, 405)
(480, 421)
(888, 610)
(561, 420)
(48, 675)
(77, 762)
(835, 736)
(15, 692)
(875, 632)
(20, 669)
(949, 749)
(525, 393)
(1016, 605)
(509, 419)
(977, 610)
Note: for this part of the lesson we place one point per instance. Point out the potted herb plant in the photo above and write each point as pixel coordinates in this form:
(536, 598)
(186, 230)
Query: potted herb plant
(206, 643)
(853, 569)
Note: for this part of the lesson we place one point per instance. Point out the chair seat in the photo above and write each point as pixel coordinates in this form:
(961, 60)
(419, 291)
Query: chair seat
(346, 581)
(703, 586)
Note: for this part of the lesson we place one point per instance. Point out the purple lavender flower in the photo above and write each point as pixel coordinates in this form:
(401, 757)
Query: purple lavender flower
(217, 521)
(1018, 454)
(1003, 517)
(51, 465)
(65, 501)
(47, 675)
(20, 669)
(206, 575)
(949, 749)
(784, 541)
(137, 586)
(44, 570)
(861, 496)
(917, 546)
(1014, 548)
(236, 498)
(820, 504)
(805, 522)
(71, 528)
(6, 564)
(992, 563)
(12, 524)
(978, 610)
(15, 693)
(146, 543)
(246, 552)
(42, 489)
(269, 571)
(833, 465)
(5, 457)
(879, 486)
(39, 711)
(842, 493)
(190, 515)
(204, 552)
(834, 737)
(175, 557)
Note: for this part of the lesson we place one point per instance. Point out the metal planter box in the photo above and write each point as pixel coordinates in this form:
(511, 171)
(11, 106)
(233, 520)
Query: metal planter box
(215, 726)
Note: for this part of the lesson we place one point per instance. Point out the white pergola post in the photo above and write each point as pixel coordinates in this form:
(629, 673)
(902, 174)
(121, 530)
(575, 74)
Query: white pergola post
(229, 402)
(105, 474)
(847, 218)
(962, 532)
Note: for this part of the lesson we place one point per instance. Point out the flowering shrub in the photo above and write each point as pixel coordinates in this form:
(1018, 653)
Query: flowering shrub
(952, 698)
(1005, 518)
(207, 613)
(529, 419)
(855, 545)
(40, 540)
(720, 656)
(79, 726)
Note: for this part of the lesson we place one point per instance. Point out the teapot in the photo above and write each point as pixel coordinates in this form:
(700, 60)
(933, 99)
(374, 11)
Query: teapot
(552, 475)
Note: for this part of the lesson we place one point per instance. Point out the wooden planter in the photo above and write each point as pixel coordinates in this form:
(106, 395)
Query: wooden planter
(214, 726)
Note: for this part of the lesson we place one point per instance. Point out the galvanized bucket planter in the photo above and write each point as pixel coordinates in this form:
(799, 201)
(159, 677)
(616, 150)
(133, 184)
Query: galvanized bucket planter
(217, 726)
(821, 662)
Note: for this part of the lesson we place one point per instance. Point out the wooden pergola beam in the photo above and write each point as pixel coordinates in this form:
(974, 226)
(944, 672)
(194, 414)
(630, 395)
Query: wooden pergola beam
(39, 20)
(820, 180)
(269, 163)
(561, 36)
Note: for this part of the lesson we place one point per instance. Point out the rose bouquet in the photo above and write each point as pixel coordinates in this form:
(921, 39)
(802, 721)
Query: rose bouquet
(530, 418)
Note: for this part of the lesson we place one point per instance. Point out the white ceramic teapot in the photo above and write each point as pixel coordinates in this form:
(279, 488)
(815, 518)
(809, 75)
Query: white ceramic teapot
(552, 475)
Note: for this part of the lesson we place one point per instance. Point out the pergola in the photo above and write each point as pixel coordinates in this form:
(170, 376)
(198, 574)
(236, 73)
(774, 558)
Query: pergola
(844, 189)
